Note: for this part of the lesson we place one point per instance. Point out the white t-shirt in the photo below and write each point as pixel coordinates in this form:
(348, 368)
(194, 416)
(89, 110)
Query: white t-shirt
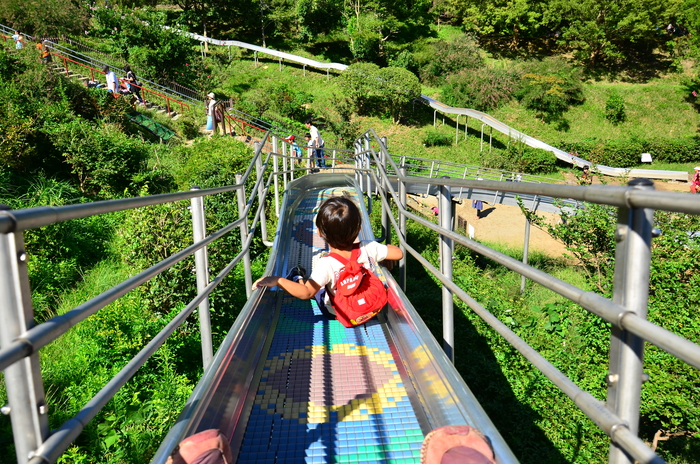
(327, 269)
(111, 81)
(315, 136)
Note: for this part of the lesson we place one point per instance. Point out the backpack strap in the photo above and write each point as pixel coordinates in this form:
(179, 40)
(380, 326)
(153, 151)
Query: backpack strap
(353, 256)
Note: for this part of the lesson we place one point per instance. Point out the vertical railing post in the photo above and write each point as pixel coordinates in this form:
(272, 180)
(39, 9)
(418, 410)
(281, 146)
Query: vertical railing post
(526, 249)
(402, 226)
(261, 188)
(457, 131)
(358, 165)
(275, 146)
(201, 262)
(430, 176)
(286, 148)
(240, 193)
(445, 217)
(367, 163)
(23, 383)
(383, 181)
(631, 290)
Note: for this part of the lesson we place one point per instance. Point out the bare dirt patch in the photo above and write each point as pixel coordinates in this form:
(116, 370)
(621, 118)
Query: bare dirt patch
(499, 223)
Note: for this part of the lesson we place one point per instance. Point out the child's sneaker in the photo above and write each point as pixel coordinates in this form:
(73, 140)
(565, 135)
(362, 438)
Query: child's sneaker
(297, 274)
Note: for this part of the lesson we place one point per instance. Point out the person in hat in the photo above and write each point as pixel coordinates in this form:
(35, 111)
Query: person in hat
(695, 183)
(295, 150)
(211, 109)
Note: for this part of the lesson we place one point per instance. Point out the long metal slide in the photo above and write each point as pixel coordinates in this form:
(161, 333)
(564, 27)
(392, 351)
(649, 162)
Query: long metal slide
(290, 385)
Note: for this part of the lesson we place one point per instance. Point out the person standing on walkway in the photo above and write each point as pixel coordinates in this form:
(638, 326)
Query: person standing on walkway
(211, 113)
(317, 143)
(111, 79)
(695, 183)
(19, 40)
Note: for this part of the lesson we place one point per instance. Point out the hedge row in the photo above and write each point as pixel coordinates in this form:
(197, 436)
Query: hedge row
(627, 153)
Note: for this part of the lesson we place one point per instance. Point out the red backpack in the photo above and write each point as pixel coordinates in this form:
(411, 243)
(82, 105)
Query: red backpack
(359, 294)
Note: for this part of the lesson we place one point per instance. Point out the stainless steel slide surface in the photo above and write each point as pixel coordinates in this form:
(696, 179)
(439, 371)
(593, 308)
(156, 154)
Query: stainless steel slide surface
(290, 385)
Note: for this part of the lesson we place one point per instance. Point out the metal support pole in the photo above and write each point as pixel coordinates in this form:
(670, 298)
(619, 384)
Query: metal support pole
(25, 390)
(457, 131)
(275, 170)
(495, 196)
(261, 189)
(481, 147)
(434, 118)
(366, 158)
(402, 228)
(240, 193)
(445, 216)
(285, 164)
(526, 249)
(201, 263)
(386, 225)
(631, 290)
(490, 139)
(430, 176)
(309, 160)
(358, 165)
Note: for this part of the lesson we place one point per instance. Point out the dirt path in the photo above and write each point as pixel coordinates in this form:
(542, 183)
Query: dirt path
(506, 225)
(499, 223)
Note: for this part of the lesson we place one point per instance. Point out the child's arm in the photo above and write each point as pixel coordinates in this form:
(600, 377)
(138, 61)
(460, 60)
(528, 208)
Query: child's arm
(393, 253)
(296, 289)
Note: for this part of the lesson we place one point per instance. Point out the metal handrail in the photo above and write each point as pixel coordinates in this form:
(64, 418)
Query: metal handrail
(24, 342)
(619, 419)
(167, 98)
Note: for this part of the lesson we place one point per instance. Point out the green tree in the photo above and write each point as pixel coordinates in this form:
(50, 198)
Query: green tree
(604, 29)
(45, 19)
(398, 89)
(515, 19)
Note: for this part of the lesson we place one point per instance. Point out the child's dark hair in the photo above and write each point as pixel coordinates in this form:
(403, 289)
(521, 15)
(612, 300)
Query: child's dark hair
(339, 222)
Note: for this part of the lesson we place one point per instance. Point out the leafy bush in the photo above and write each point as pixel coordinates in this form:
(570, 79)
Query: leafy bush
(356, 84)
(102, 158)
(615, 109)
(625, 153)
(188, 127)
(549, 95)
(379, 91)
(404, 60)
(438, 138)
(536, 161)
(549, 87)
(436, 61)
(484, 89)
(397, 90)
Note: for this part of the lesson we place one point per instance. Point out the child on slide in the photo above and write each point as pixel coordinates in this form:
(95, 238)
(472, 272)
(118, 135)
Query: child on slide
(339, 222)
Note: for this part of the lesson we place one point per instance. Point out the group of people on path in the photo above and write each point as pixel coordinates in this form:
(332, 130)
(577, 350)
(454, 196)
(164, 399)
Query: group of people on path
(127, 86)
(41, 46)
(314, 142)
